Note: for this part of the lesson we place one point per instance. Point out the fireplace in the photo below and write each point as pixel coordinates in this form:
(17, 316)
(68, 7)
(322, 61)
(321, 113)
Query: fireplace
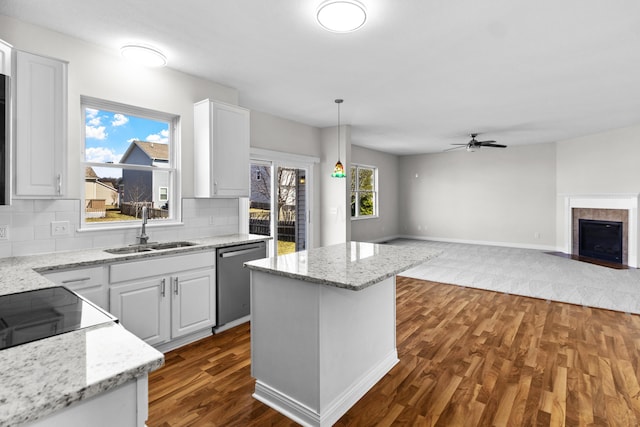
(621, 207)
(600, 239)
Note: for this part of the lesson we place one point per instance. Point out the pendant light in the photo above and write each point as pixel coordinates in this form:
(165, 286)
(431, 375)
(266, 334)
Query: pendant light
(338, 170)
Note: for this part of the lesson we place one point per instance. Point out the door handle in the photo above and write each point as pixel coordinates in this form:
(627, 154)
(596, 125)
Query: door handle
(238, 252)
(81, 279)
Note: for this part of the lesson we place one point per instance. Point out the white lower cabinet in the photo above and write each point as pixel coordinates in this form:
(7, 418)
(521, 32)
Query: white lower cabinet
(143, 308)
(193, 302)
(89, 282)
(164, 298)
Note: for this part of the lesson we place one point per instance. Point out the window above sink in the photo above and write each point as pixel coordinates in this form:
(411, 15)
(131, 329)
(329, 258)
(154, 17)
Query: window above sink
(129, 161)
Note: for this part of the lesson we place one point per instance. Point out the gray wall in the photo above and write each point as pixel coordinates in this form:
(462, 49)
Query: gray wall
(603, 163)
(501, 196)
(385, 226)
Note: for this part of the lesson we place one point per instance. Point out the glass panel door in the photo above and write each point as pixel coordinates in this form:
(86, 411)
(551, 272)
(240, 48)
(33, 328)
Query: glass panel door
(260, 200)
(278, 205)
(292, 210)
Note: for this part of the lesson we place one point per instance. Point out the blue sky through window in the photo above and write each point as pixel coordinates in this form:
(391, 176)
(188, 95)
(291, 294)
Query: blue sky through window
(109, 134)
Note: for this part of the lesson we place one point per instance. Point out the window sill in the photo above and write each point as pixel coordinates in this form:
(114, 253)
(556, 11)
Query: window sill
(128, 226)
(358, 218)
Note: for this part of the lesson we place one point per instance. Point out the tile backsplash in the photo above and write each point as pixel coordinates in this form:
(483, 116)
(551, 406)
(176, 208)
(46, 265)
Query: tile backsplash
(29, 226)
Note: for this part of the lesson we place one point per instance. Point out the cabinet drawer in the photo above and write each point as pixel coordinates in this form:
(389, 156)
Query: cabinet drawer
(90, 283)
(160, 265)
(78, 279)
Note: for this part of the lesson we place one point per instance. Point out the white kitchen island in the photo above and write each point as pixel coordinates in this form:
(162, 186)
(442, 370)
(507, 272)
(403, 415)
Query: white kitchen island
(323, 325)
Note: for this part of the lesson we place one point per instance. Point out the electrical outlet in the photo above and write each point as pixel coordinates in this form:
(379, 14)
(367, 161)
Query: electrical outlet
(60, 228)
(4, 232)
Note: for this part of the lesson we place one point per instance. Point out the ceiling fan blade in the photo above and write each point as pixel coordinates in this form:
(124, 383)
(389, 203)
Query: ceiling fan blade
(455, 148)
(493, 145)
(486, 142)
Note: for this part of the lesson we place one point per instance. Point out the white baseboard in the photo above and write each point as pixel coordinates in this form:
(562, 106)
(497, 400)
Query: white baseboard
(483, 242)
(306, 416)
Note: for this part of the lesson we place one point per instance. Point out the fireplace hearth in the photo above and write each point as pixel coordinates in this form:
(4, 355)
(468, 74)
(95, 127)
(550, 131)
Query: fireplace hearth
(600, 239)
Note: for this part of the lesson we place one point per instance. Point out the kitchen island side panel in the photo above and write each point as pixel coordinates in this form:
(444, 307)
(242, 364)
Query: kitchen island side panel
(357, 339)
(284, 336)
(317, 349)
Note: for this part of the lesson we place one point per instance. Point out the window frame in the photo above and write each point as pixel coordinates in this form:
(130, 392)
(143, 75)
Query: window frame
(353, 170)
(173, 169)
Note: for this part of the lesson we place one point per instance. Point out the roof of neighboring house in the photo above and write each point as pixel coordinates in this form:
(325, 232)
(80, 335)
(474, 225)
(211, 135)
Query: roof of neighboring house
(107, 185)
(89, 173)
(154, 150)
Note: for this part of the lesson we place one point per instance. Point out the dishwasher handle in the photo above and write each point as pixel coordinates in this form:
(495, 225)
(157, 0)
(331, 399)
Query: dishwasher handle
(239, 252)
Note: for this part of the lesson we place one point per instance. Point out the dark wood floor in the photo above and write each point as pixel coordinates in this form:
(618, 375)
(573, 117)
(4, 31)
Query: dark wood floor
(467, 358)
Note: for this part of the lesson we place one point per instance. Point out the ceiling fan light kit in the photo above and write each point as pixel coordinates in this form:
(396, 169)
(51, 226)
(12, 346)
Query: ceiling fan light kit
(341, 16)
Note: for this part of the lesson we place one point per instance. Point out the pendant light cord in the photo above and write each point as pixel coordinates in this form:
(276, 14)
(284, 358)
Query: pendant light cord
(339, 101)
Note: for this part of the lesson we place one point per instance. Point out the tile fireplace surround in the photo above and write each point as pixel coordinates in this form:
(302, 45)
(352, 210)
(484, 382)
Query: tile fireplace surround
(609, 207)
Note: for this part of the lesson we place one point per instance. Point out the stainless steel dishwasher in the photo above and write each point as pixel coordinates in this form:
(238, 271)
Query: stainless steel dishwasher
(233, 290)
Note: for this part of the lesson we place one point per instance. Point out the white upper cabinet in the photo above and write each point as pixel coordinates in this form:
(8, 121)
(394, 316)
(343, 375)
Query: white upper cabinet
(40, 126)
(5, 58)
(221, 150)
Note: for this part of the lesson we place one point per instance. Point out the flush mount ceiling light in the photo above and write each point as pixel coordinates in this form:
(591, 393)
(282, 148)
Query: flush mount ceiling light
(341, 16)
(143, 55)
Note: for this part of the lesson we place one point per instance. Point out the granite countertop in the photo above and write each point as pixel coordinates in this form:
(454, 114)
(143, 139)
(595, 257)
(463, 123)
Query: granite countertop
(19, 274)
(41, 377)
(351, 265)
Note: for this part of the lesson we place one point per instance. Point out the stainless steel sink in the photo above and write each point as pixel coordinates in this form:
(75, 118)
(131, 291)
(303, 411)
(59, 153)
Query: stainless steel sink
(150, 247)
(169, 245)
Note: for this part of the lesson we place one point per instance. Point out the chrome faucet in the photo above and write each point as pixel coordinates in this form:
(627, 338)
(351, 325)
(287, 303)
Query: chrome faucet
(143, 238)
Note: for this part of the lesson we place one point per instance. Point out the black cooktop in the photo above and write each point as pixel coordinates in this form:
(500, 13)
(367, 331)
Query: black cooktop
(42, 313)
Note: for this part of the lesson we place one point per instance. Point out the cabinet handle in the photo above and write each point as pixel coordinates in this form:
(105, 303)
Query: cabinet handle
(59, 180)
(215, 187)
(81, 279)
(163, 283)
(177, 285)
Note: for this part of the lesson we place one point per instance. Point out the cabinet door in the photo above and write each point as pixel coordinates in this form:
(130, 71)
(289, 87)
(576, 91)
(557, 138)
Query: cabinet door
(41, 122)
(231, 152)
(221, 141)
(143, 308)
(5, 58)
(194, 302)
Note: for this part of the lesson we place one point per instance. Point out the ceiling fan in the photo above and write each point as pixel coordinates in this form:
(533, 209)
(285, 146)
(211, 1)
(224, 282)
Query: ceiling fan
(474, 144)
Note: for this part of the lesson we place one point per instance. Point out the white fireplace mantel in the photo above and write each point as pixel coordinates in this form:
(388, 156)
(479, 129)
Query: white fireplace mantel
(628, 201)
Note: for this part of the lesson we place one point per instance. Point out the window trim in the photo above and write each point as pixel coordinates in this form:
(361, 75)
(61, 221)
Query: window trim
(174, 169)
(375, 191)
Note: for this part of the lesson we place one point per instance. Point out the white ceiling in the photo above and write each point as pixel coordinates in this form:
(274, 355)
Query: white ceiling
(417, 77)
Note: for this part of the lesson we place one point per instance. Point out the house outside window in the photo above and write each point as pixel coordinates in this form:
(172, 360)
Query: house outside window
(129, 161)
(364, 191)
(164, 194)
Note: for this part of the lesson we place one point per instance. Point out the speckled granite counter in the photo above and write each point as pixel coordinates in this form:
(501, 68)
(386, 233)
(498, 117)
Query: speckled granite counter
(41, 377)
(351, 265)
